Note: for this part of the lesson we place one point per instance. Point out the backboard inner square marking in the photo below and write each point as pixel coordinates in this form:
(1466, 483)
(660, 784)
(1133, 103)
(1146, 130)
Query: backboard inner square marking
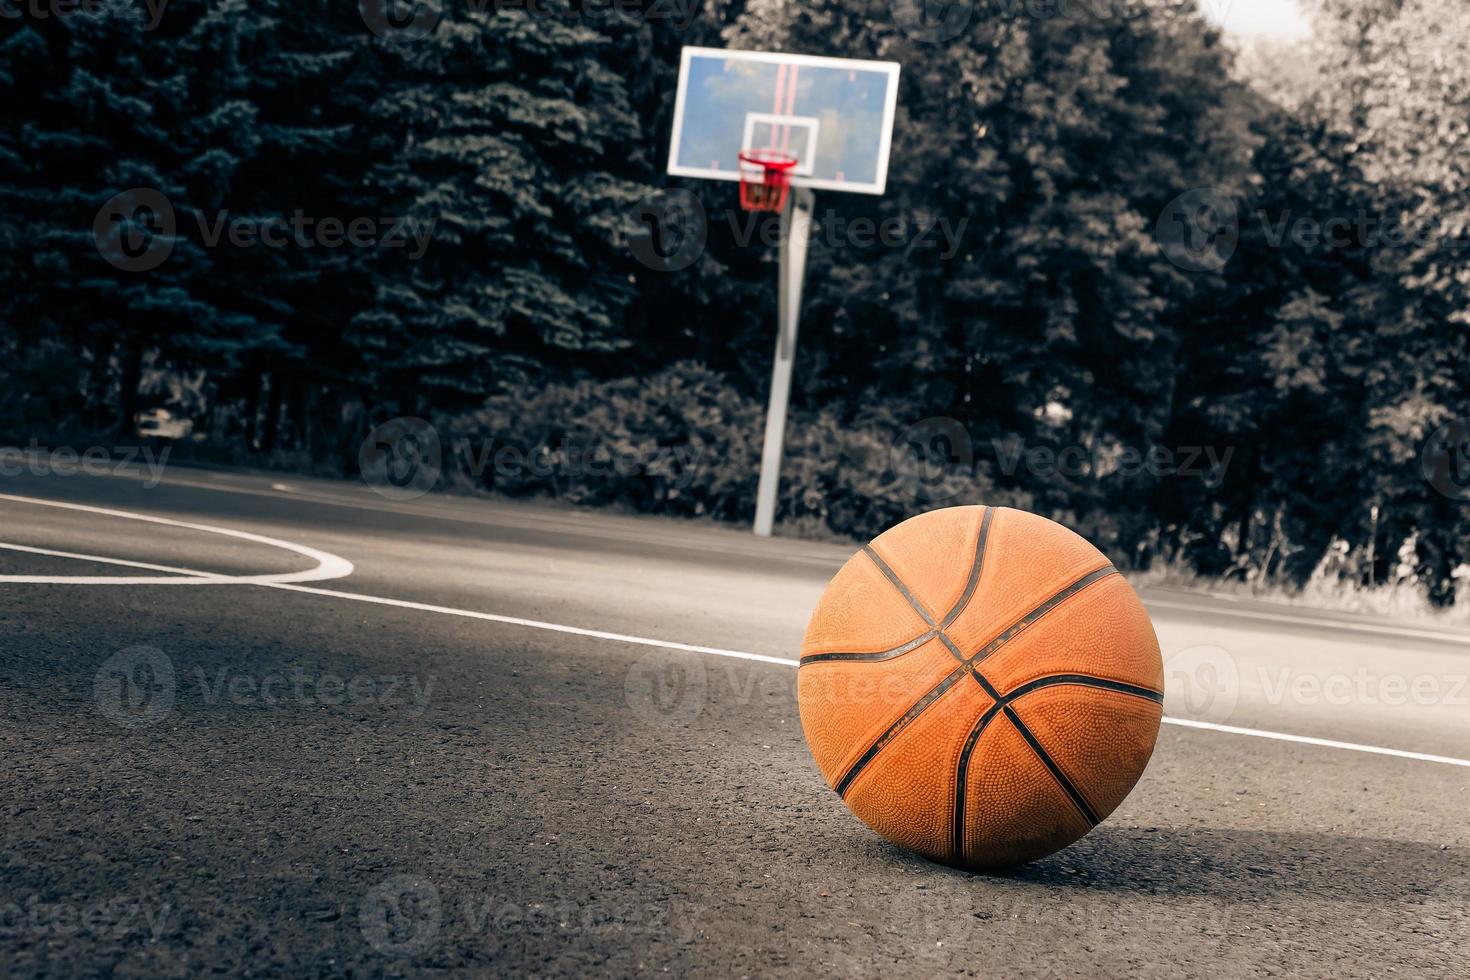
(796, 135)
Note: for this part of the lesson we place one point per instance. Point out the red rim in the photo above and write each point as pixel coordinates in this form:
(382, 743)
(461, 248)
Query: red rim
(765, 179)
(774, 161)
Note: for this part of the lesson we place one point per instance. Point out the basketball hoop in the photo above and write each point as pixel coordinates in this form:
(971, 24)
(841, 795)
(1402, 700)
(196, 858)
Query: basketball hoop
(773, 121)
(765, 179)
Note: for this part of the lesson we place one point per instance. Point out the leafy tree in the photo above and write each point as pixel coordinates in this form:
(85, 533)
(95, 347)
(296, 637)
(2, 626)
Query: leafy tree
(515, 138)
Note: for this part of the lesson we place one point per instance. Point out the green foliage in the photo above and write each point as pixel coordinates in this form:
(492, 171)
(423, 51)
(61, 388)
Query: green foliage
(512, 138)
(675, 442)
(1034, 153)
(682, 441)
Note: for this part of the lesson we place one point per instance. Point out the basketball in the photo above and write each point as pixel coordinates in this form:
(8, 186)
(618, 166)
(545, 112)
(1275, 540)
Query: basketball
(980, 685)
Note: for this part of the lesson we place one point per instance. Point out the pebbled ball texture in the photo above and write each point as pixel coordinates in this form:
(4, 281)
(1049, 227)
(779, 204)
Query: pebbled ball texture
(981, 686)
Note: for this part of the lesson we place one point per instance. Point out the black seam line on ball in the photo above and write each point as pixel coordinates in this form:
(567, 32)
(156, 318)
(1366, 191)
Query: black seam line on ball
(937, 630)
(897, 651)
(944, 685)
(1085, 680)
(985, 684)
(974, 580)
(893, 730)
(1020, 625)
(949, 645)
(892, 576)
(962, 776)
(962, 771)
(1066, 784)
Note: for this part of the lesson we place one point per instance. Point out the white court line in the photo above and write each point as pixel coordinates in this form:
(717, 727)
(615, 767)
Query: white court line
(104, 561)
(443, 510)
(785, 662)
(537, 624)
(333, 565)
(328, 566)
(570, 524)
(1325, 742)
(1333, 624)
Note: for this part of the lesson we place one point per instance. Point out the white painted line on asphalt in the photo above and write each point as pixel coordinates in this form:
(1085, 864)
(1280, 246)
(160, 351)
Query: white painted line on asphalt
(99, 559)
(440, 507)
(537, 624)
(1324, 742)
(328, 566)
(1332, 624)
(786, 662)
(570, 523)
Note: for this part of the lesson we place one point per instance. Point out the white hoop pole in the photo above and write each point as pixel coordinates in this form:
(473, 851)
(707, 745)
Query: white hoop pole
(796, 237)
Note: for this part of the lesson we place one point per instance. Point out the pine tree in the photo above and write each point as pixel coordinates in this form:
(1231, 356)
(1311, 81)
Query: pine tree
(514, 136)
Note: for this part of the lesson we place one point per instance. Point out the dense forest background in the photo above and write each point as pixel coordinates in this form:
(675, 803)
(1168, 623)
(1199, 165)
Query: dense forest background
(1057, 141)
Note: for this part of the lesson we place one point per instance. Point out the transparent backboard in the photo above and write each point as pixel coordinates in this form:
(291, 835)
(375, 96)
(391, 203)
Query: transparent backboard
(834, 115)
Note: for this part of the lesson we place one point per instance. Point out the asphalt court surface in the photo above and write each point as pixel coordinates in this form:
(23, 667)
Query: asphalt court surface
(361, 774)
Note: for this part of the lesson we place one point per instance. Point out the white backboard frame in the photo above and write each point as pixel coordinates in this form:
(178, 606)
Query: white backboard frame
(890, 110)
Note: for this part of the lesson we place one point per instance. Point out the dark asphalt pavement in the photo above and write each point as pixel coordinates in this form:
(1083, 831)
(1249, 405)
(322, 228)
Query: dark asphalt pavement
(303, 779)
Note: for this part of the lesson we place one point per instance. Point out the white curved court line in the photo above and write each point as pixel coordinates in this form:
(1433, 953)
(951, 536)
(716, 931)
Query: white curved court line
(328, 566)
(784, 662)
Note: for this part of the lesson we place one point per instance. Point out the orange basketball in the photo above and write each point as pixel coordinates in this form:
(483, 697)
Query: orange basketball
(981, 686)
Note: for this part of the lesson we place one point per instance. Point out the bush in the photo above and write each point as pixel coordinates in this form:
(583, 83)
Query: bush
(41, 385)
(682, 441)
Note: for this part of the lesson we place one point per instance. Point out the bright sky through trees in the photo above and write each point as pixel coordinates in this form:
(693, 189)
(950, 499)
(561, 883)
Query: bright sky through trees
(1282, 19)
